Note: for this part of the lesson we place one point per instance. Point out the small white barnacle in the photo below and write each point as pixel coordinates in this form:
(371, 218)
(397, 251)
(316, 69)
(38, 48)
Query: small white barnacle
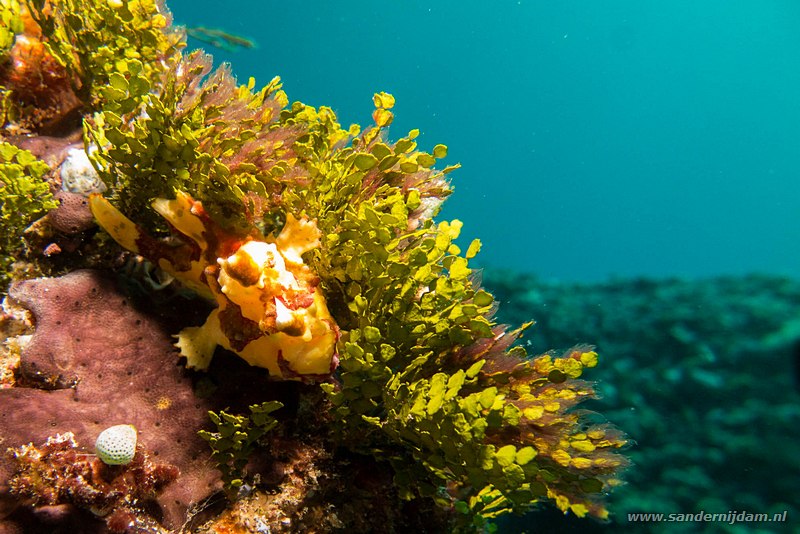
(78, 175)
(116, 445)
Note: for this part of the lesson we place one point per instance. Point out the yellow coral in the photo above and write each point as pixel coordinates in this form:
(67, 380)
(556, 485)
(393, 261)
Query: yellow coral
(269, 312)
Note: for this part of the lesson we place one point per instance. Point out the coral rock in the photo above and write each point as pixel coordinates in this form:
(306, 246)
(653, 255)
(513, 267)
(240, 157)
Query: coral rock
(105, 363)
(73, 215)
(58, 477)
(40, 87)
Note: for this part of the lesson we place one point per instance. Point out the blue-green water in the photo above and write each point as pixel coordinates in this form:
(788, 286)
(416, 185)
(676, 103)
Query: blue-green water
(623, 137)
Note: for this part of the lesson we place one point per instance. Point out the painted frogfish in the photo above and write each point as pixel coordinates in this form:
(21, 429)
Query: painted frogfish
(269, 311)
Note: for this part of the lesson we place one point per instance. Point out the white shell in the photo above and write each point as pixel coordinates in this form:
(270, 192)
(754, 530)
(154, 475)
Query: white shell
(78, 175)
(116, 445)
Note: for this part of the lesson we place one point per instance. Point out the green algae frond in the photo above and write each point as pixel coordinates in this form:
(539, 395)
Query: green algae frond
(100, 41)
(236, 437)
(24, 197)
(10, 24)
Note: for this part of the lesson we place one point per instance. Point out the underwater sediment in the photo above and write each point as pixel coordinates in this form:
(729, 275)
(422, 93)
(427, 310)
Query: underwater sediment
(257, 302)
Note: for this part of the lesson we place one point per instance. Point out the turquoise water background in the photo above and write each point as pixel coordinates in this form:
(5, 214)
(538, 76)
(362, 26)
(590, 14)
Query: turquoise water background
(598, 139)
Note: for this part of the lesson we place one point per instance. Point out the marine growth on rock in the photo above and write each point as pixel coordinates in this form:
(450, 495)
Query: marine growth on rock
(310, 251)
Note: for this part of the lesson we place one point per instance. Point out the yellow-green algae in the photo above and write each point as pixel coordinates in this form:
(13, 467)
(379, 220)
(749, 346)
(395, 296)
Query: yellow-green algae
(24, 196)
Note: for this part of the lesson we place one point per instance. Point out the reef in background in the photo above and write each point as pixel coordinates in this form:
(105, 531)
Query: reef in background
(706, 375)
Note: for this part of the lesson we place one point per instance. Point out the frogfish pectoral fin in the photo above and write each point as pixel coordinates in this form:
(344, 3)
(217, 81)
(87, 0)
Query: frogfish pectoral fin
(120, 228)
(197, 343)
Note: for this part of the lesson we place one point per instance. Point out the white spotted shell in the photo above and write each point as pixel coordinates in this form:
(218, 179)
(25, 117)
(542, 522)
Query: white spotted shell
(116, 445)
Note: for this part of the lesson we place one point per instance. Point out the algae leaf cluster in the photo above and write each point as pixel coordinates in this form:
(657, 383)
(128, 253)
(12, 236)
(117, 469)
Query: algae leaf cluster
(24, 197)
(236, 437)
(99, 41)
(10, 24)
(192, 131)
(426, 377)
